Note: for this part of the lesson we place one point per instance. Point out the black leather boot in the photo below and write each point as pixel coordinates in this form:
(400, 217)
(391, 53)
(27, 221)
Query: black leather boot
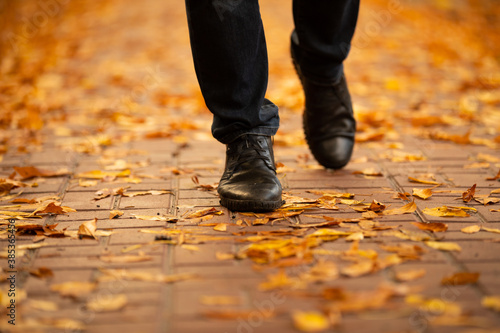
(249, 182)
(328, 120)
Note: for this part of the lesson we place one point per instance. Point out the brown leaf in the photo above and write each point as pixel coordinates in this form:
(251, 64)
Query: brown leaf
(495, 177)
(88, 229)
(42, 272)
(31, 171)
(53, 208)
(410, 275)
(435, 227)
(469, 194)
(460, 278)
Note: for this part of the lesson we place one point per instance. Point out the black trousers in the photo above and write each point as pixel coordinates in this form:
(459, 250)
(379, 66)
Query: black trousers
(230, 56)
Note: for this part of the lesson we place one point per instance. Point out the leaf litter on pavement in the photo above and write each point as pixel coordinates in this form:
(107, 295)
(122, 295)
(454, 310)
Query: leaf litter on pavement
(49, 76)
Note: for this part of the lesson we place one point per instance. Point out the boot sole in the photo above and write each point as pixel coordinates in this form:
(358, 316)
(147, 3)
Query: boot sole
(250, 206)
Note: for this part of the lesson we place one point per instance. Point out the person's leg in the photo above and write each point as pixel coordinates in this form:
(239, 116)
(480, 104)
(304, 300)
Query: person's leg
(319, 45)
(230, 58)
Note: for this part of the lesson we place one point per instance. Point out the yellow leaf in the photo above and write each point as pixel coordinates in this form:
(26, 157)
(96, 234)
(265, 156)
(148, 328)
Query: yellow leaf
(483, 165)
(493, 230)
(471, 229)
(422, 181)
(406, 209)
(107, 303)
(425, 193)
(204, 212)
(220, 300)
(359, 269)
(87, 183)
(122, 274)
(410, 275)
(165, 218)
(98, 174)
(445, 211)
(73, 288)
(491, 302)
(115, 213)
(88, 228)
(221, 227)
(310, 321)
(332, 194)
(444, 246)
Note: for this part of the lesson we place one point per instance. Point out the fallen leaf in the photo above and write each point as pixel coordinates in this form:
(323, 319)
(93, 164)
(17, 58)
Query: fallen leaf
(107, 303)
(444, 246)
(469, 194)
(409, 275)
(115, 213)
(74, 289)
(220, 300)
(310, 321)
(88, 229)
(42, 272)
(87, 183)
(487, 200)
(434, 227)
(422, 181)
(332, 194)
(369, 173)
(53, 208)
(491, 302)
(221, 227)
(460, 278)
(495, 177)
(98, 174)
(493, 230)
(122, 274)
(406, 209)
(31, 171)
(471, 229)
(425, 193)
(445, 211)
(151, 192)
(359, 269)
(203, 212)
(164, 218)
(482, 165)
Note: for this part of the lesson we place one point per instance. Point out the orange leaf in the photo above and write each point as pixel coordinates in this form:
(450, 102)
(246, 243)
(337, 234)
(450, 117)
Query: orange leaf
(435, 227)
(460, 278)
(469, 194)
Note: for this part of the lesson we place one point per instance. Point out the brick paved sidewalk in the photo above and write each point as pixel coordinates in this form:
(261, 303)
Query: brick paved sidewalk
(178, 307)
(156, 269)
